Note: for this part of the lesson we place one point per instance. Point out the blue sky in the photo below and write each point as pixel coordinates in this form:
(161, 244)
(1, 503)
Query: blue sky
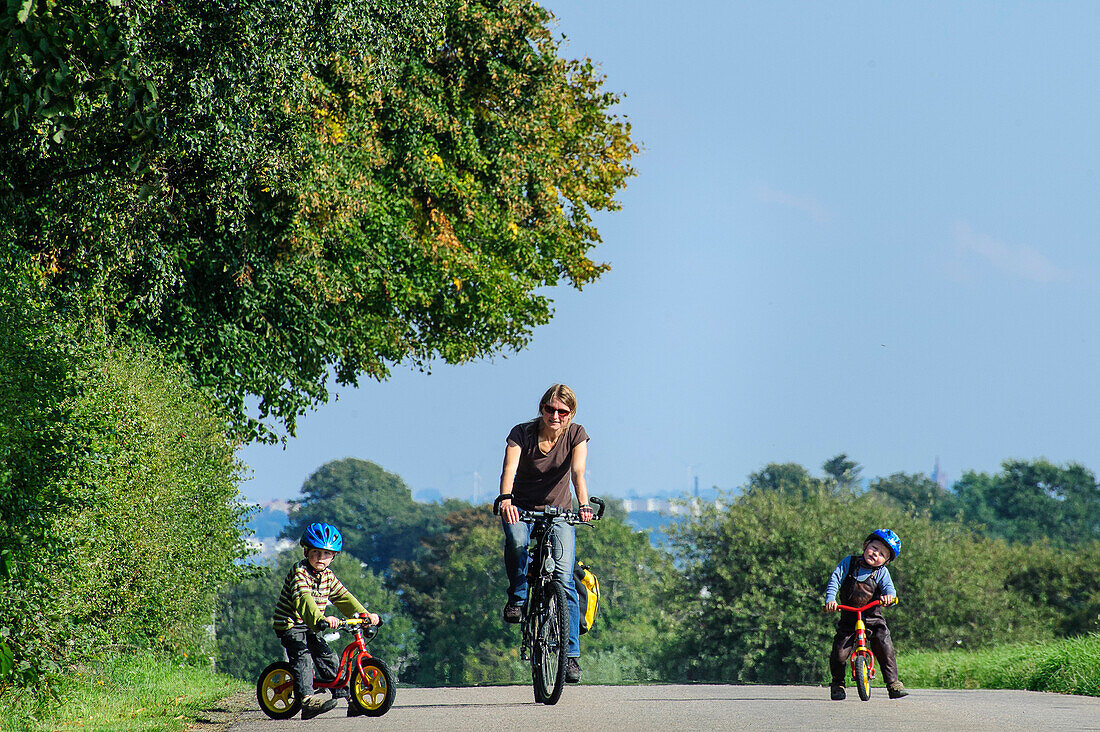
(857, 227)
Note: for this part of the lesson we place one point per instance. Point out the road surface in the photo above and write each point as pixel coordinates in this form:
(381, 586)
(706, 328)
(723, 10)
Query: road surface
(703, 707)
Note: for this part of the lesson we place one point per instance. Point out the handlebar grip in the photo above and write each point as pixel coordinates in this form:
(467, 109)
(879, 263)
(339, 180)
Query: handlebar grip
(598, 502)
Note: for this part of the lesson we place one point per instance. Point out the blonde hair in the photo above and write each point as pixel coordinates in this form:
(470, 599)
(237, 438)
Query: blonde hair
(562, 393)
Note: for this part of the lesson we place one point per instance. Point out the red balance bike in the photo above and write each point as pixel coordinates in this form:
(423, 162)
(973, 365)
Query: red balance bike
(368, 678)
(862, 660)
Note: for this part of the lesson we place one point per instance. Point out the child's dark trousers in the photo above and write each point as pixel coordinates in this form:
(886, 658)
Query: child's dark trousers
(307, 650)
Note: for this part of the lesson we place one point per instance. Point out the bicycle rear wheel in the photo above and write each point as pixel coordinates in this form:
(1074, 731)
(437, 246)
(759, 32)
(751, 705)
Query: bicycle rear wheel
(550, 644)
(275, 691)
(863, 677)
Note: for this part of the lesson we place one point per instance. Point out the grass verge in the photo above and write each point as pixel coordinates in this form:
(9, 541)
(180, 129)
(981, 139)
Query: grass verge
(1070, 666)
(124, 693)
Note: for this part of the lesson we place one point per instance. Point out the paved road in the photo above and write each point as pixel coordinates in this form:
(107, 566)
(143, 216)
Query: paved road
(705, 707)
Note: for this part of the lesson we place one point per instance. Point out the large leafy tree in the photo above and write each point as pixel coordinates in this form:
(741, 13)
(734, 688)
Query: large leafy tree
(373, 508)
(1034, 501)
(283, 192)
(916, 493)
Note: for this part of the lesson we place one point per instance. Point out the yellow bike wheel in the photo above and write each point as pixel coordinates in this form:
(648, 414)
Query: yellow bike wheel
(373, 691)
(275, 691)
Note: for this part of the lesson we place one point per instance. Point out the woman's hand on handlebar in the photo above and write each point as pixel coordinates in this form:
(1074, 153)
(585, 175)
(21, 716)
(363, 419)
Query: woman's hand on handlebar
(509, 511)
(585, 512)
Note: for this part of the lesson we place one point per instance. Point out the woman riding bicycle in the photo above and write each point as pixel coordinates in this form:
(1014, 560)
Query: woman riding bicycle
(540, 458)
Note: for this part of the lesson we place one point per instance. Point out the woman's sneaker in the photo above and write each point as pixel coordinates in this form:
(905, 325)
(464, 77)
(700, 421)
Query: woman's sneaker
(513, 613)
(316, 704)
(572, 671)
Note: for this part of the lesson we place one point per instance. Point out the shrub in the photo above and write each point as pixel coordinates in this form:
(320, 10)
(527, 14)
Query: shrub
(119, 513)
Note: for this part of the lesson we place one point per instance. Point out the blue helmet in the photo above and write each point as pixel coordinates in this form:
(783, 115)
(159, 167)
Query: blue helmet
(322, 536)
(891, 539)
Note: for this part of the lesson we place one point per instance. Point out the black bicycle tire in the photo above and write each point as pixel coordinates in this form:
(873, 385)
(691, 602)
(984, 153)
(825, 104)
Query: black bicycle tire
(551, 643)
(863, 677)
(531, 633)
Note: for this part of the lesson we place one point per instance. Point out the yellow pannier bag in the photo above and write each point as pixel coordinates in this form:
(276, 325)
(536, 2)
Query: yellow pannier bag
(588, 594)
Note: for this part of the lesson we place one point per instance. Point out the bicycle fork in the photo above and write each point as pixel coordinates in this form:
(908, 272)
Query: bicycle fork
(862, 649)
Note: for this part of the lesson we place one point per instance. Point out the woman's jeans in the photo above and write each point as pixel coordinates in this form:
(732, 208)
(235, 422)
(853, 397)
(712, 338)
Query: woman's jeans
(563, 542)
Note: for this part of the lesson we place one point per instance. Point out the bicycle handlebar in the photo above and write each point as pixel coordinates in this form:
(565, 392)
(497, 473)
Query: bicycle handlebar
(572, 517)
(352, 622)
(868, 606)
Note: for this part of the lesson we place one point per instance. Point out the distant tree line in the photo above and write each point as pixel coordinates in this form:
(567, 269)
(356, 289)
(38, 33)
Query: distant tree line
(736, 598)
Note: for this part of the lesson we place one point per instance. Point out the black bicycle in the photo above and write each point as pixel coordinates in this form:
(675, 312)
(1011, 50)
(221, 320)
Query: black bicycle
(545, 612)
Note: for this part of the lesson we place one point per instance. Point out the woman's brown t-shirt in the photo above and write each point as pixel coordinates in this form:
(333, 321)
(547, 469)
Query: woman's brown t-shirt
(542, 479)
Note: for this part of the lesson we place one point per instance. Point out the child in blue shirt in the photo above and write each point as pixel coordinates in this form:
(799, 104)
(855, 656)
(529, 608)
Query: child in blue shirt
(856, 581)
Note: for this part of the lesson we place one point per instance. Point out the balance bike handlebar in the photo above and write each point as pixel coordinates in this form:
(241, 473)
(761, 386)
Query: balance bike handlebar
(868, 606)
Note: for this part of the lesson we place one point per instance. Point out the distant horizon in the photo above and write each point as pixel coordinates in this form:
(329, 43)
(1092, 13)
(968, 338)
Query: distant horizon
(434, 495)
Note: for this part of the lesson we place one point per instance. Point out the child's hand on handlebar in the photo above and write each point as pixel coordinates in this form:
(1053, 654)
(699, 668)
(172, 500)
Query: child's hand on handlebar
(371, 618)
(333, 622)
(830, 606)
(888, 600)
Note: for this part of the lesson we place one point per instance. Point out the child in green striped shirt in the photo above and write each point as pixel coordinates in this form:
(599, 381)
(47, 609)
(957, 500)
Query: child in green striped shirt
(299, 619)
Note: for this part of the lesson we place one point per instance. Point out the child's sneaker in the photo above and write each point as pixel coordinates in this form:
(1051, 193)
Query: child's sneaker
(316, 704)
(896, 690)
(836, 692)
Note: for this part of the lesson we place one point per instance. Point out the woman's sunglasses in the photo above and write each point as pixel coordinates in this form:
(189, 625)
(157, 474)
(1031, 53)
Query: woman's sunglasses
(559, 412)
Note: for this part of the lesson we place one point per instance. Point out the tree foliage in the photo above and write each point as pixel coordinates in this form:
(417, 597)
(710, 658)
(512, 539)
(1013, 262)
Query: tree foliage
(633, 624)
(119, 517)
(916, 493)
(453, 594)
(1034, 501)
(755, 569)
(280, 192)
(373, 509)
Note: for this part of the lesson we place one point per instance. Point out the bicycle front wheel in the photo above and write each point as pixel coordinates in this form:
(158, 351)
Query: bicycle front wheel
(863, 677)
(373, 691)
(551, 644)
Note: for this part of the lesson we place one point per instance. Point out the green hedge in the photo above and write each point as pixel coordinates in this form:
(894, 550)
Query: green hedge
(119, 510)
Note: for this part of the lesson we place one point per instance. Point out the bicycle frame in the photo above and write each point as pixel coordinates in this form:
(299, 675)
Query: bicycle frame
(539, 571)
(356, 647)
(861, 648)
